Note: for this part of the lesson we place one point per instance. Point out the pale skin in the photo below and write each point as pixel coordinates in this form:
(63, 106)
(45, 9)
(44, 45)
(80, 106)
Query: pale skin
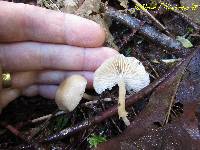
(41, 47)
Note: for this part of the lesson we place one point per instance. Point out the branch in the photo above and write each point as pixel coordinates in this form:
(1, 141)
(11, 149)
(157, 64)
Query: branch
(147, 31)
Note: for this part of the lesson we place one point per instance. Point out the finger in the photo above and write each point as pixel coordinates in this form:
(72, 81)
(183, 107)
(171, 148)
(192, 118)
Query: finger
(24, 79)
(22, 22)
(39, 56)
(46, 91)
(8, 95)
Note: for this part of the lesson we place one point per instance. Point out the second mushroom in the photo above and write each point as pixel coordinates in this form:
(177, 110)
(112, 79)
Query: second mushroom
(70, 92)
(127, 72)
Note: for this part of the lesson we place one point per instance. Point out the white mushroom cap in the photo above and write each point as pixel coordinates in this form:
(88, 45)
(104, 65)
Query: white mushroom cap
(120, 67)
(70, 92)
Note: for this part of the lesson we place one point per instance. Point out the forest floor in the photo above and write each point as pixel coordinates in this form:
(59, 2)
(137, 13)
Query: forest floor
(165, 37)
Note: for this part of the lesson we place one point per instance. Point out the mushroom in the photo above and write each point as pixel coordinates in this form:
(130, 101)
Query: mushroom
(70, 92)
(127, 72)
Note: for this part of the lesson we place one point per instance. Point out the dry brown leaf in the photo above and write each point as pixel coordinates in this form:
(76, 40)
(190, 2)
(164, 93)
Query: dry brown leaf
(89, 7)
(49, 4)
(124, 3)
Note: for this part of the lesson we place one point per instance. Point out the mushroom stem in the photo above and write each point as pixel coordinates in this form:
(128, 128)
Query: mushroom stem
(121, 102)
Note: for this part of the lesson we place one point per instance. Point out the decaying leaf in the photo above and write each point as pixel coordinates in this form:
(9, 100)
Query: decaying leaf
(188, 90)
(189, 95)
(169, 137)
(49, 4)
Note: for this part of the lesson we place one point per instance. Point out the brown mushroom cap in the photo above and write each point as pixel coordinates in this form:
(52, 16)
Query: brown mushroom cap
(70, 92)
(120, 67)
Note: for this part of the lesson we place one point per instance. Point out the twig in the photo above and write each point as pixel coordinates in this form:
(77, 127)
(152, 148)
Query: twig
(174, 113)
(22, 124)
(44, 124)
(133, 109)
(147, 31)
(46, 117)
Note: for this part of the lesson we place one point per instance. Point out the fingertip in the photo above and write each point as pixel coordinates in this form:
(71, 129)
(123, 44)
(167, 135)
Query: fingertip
(96, 34)
(30, 91)
(83, 32)
(109, 52)
(97, 56)
(44, 25)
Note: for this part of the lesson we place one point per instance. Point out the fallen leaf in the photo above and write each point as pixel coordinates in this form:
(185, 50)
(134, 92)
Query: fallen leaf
(185, 42)
(170, 137)
(88, 7)
(189, 95)
(188, 90)
(124, 3)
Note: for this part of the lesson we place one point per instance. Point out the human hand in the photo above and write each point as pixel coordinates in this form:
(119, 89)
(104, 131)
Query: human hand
(41, 47)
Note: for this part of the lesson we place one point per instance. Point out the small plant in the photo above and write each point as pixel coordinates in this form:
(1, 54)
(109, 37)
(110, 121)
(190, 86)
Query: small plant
(94, 140)
(59, 123)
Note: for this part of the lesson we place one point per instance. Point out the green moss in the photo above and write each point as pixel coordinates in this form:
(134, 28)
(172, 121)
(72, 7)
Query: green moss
(94, 140)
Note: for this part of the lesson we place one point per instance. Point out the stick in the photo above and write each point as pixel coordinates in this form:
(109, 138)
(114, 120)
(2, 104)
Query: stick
(146, 30)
